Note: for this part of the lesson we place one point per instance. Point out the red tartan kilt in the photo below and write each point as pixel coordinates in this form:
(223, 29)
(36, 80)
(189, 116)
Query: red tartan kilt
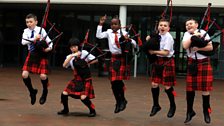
(88, 88)
(168, 74)
(123, 73)
(40, 67)
(204, 78)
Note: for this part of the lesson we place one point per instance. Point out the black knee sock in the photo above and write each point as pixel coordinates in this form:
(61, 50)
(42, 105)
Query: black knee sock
(64, 101)
(190, 100)
(28, 84)
(170, 95)
(115, 90)
(121, 90)
(206, 103)
(44, 85)
(89, 104)
(155, 95)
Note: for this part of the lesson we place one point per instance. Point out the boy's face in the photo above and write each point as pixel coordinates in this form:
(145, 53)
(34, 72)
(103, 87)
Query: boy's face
(191, 26)
(31, 23)
(74, 48)
(163, 27)
(115, 25)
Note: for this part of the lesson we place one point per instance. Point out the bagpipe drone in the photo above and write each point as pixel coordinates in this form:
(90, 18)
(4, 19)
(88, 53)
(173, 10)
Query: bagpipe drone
(200, 41)
(154, 42)
(81, 64)
(126, 45)
(41, 44)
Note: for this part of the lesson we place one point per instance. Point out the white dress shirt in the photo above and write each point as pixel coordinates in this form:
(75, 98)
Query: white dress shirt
(83, 54)
(190, 52)
(110, 35)
(27, 34)
(167, 43)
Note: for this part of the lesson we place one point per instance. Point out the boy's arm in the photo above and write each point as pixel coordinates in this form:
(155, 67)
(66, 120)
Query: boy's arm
(99, 33)
(133, 43)
(25, 36)
(186, 42)
(68, 58)
(126, 36)
(208, 47)
(160, 52)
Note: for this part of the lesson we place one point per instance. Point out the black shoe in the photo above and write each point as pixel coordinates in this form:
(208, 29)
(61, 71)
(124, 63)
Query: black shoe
(63, 112)
(207, 117)
(123, 105)
(117, 108)
(92, 113)
(154, 110)
(171, 112)
(190, 115)
(33, 96)
(43, 98)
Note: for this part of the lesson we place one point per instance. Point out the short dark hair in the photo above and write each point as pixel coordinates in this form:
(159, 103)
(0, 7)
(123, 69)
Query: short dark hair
(164, 20)
(31, 15)
(190, 18)
(74, 42)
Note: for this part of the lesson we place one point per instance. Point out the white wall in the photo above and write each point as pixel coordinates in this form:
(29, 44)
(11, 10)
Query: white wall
(188, 3)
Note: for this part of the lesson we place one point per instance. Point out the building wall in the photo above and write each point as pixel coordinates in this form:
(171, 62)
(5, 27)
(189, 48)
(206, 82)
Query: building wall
(186, 3)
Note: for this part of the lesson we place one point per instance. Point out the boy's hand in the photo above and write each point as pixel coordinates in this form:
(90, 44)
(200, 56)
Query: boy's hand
(151, 52)
(147, 38)
(126, 37)
(195, 49)
(47, 49)
(37, 38)
(77, 54)
(197, 34)
(102, 20)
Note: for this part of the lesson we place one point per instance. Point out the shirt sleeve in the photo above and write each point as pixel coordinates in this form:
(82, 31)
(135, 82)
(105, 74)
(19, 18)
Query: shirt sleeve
(48, 40)
(89, 57)
(133, 42)
(168, 43)
(26, 36)
(186, 36)
(100, 34)
(69, 64)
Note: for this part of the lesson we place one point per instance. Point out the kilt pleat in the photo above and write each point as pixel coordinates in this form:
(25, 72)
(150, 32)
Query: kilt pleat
(204, 78)
(38, 67)
(168, 77)
(88, 87)
(124, 71)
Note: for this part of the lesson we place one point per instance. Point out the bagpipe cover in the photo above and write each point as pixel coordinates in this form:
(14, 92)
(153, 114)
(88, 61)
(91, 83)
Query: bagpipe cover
(210, 53)
(152, 44)
(82, 68)
(198, 42)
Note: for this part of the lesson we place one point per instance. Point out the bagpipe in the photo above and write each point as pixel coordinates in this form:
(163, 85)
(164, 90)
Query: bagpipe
(154, 42)
(200, 41)
(127, 48)
(125, 44)
(41, 44)
(80, 64)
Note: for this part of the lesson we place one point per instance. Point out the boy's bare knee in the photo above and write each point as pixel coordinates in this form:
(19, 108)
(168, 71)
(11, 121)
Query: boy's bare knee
(25, 74)
(83, 97)
(43, 76)
(65, 93)
(154, 85)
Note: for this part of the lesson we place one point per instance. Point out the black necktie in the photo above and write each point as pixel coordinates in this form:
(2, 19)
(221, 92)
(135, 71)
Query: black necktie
(32, 45)
(32, 34)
